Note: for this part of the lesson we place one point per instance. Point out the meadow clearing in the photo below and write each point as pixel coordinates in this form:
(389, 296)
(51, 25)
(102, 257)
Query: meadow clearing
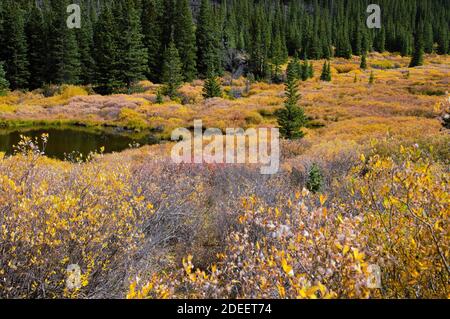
(140, 226)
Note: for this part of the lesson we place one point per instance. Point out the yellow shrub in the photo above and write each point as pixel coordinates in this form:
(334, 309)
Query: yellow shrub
(345, 68)
(132, 119)
(7, 108)
(405, 206)
(69, 214)
(71, 91)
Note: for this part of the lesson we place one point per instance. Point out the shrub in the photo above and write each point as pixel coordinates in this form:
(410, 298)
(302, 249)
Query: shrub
(315, 179)
(54, 215)
(345, 68)
(132, 119)
(71, 90)
(254, 118)
(404, 202)
(384, 65)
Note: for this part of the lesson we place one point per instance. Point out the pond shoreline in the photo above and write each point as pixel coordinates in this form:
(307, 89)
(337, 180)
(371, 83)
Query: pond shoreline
(69, 137)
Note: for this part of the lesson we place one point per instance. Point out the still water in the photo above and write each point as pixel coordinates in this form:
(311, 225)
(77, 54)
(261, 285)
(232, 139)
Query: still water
(63, 141)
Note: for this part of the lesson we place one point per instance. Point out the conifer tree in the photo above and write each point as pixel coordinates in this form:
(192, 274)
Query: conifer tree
(315, 179)
(443, 38)
(277, 58)
(310, 70)
(184, 36)
(305, 70)
(297, 67)
(85, 46)
(105, 52)
(262, 32)
(326, 72)
(291, 118)
(293, 68)
(14, 50)
(365, 45)
(132, 55)
(4, 84)
(64, 59)
(417, 58)
(357, 40)
(343, 46)
(405, 41)
(363, 64)
(208, 44)
(428, 41)
(36, 39)
(258, 49)
(212, 87)
(171, 76)
(380, 41)
(159, 97)
(151, 30)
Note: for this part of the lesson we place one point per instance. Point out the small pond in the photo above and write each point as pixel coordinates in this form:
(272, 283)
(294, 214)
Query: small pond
(64, 141)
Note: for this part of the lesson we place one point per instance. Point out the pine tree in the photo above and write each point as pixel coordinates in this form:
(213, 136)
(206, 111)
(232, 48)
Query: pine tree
(159, 97)
(184, 36)
(404, 40)
(151, 30)
(380, 41)
(417, 58)
(357, 40)
(63, 57)
(326, 72)
(277, 58)
(291, 118)
(297, 67)
(443, 38)
(36, 39)
(315, 179)
(14, 51)
(4, 84)
(208, 43)
(105, 53)
(324, 75)
(293, 68)
(172, 77)
(85, 47)
(132, 57)
(428, 42)
(258, 46)
(310, 70)
(363, 64)
(212, 87)
(305, 70)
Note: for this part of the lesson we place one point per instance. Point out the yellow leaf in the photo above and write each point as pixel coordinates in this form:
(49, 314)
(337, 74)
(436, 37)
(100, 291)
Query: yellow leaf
(345, 249)
(287, 269)
(277, 212)
(358, 256)
(281, 291)
(322, 199)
